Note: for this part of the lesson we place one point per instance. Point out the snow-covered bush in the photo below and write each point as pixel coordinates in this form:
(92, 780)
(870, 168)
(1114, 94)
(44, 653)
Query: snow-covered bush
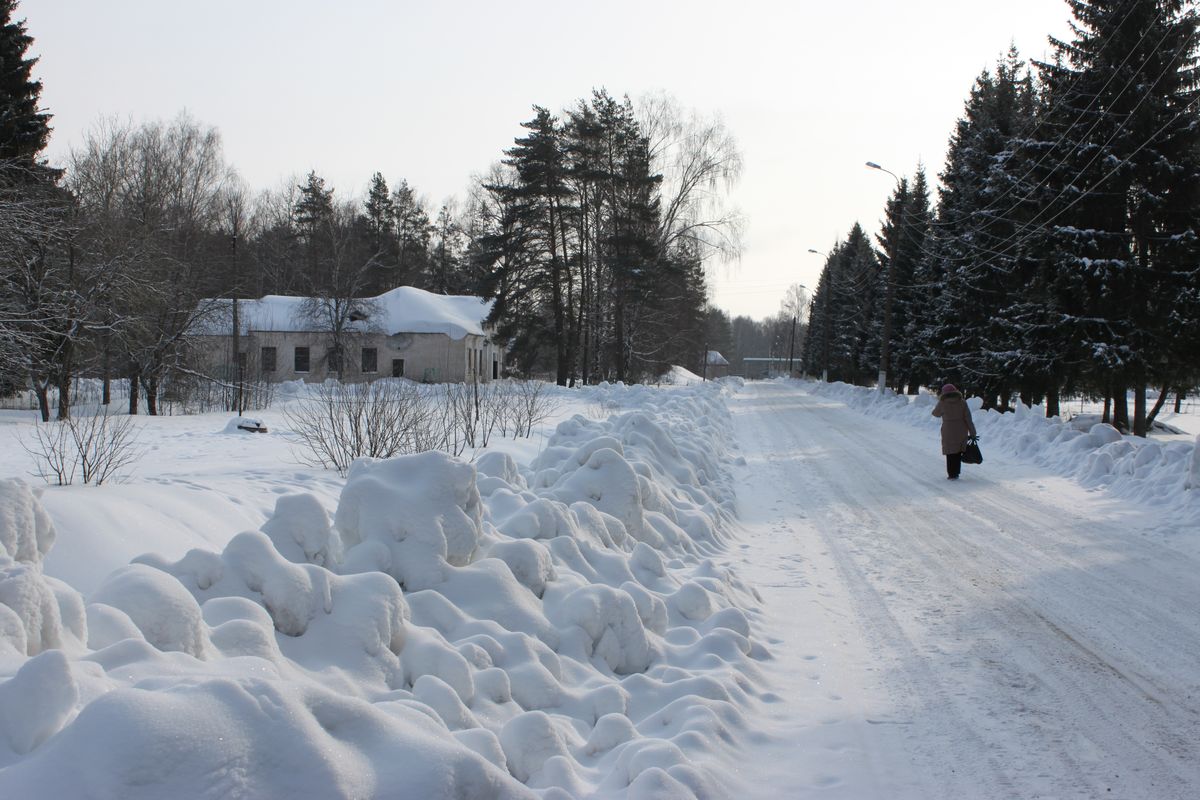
(424, 510)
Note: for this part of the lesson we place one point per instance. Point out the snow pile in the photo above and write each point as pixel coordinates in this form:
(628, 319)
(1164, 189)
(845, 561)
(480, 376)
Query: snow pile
(1097, 455)
(556, 629)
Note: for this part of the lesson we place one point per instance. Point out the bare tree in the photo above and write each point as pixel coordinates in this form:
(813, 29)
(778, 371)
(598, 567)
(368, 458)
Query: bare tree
(700, 162)
(158, 190)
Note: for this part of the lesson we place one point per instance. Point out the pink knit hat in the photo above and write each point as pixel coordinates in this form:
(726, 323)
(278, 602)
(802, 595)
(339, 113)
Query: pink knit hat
(949, 388)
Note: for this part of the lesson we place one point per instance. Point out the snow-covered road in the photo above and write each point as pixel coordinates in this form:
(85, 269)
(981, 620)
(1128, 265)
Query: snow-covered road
(1007, 635)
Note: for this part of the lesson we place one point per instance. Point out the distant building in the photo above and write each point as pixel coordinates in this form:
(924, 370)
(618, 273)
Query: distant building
(402, 333)
(716, 365)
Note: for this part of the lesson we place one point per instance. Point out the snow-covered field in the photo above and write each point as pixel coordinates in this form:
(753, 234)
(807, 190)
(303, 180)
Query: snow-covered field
(695, 591)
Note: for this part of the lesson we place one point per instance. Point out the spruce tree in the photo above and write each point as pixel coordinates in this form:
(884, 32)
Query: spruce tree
(24, 129)
(970, 255)
(1123, 190)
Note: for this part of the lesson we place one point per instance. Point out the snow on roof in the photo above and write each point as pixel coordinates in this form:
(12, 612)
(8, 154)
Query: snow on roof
(404, 309)
(715, 359)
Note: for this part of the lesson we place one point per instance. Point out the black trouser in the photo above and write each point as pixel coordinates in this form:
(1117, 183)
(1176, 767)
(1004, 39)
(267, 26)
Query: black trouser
(953, 464)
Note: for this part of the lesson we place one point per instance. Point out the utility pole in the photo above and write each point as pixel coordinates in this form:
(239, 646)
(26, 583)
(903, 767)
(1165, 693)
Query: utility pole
(238, 401)
(792, 346)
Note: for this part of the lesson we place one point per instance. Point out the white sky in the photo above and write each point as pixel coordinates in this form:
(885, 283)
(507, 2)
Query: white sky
(434, 91)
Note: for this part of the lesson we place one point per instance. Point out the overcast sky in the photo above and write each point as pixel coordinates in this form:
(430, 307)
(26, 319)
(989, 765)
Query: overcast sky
(434, 91)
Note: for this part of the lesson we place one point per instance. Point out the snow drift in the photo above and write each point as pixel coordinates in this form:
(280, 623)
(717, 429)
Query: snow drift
(482, 630)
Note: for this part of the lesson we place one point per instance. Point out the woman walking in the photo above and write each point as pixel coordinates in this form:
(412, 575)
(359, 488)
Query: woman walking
(956, 427)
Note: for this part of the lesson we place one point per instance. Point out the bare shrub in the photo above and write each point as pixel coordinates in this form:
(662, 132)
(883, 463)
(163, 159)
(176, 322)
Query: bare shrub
(341, 422)
(50, 447)
(492, 401)
(532, 404)
(97, 447)
(106, 445)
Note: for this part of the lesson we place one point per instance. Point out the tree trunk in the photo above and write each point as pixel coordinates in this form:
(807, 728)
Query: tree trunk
(135, 381)
(152, 396)
(1179, 393)
(1139, 408)
(1158, 404)
(64, 394)
(42, 391)
(1052, 407)
(1107, 408)
(1120, 409)
(64, 381)
(106, 371)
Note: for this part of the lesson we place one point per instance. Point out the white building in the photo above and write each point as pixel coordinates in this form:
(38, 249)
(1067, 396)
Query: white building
(402, 333)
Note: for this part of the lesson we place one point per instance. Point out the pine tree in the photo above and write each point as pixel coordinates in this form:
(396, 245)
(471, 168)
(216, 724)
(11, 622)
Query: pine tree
(535, 202)
(379, 219)
(314, 221)
(413, 232)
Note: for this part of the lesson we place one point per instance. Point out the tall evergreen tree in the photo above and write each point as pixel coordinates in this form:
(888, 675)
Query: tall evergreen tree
(971, 250)
(379, 220)
(24, 128)
(413, 233)
(1122, 190)
(910, 227)
(314, 222)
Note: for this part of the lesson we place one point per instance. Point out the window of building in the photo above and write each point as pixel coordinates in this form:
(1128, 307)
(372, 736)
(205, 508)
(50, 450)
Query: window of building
(267, 359)
(370, 359)
(335, 359)
(241, 361)
(301, 359)
(397, 367)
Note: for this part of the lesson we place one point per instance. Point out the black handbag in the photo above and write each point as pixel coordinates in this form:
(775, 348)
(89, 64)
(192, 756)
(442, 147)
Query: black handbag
(971, 453)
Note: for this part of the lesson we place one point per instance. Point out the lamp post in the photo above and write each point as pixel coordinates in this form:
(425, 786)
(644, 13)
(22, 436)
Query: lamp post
(885, 346)
(824, 322)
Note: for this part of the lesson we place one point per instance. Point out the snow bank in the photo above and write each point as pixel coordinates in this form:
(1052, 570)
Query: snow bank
(1097, 455)
(488, 630)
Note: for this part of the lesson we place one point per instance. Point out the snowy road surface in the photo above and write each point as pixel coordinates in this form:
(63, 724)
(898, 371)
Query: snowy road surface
(1008, 635)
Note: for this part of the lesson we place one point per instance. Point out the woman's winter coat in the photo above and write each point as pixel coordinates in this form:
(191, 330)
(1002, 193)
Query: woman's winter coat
(956, 422)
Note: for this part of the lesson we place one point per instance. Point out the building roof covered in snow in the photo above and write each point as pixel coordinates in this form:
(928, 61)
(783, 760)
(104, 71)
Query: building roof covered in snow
(404, 309)
(715, 359)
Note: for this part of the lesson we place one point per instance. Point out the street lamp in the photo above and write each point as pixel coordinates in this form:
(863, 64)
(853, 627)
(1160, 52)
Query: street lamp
(824, 323)
(885, 347)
